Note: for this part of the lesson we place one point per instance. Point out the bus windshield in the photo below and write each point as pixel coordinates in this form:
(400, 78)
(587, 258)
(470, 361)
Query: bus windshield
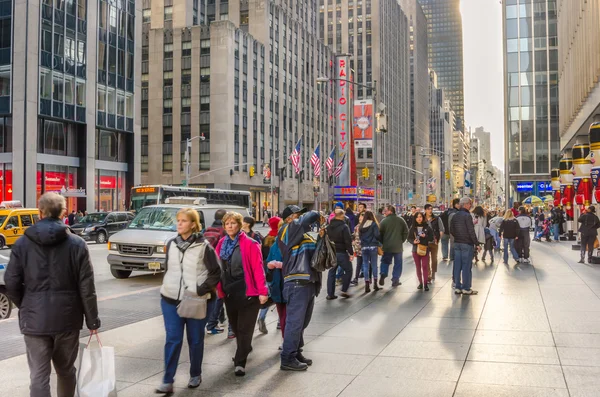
(139, 201)
(155, 218)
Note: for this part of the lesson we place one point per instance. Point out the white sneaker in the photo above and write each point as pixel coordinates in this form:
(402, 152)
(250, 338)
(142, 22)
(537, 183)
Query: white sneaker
(469, 292)
(458, 291)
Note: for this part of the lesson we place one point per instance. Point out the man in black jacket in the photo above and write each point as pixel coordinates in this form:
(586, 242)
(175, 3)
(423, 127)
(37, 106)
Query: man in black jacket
(339, 233)
(465, 240)
(447, 238)
(51, 280)
(589, 232)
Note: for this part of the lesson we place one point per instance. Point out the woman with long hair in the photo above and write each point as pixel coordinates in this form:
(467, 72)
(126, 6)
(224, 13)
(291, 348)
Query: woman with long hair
(192, 266)
(243, 286)
(369, 241)
(421, 233)
(509, 231)
(479, 223)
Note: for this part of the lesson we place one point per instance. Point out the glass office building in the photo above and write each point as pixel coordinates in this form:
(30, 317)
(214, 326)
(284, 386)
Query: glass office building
(446, 49)
(532, 145)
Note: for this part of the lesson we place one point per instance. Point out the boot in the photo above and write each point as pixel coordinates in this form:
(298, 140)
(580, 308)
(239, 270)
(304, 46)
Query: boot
(367, 287)
(582, 260)
(375, 286)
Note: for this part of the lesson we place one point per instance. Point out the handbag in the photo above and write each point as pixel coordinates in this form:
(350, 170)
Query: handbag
(421, 250)
(379, 251)
(324, 257)
(193, 306)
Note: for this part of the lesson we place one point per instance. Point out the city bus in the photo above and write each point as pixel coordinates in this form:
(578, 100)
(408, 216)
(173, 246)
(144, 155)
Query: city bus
(142, 196)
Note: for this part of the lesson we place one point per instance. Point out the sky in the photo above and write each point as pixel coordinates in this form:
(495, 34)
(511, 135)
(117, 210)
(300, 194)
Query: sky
(483, 74)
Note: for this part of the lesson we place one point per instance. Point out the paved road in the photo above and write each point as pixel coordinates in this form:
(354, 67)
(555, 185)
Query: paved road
(121, 302)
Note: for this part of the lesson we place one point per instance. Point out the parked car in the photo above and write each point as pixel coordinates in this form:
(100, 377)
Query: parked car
(99, 226)
(14, 222)
(142, 246)
(5, 303)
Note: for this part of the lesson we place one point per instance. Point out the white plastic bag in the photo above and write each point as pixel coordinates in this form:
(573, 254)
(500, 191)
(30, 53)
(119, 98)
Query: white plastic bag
(96, 375)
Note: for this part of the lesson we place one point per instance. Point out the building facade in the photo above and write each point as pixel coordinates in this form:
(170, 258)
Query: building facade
(440, 137)
(69, 121)
(532, 145)
(461, 162)
(375, 34)
(579, 68)
(444, 26)
(238, 78)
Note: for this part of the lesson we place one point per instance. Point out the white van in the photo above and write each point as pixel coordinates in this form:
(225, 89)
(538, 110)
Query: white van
(142, 245)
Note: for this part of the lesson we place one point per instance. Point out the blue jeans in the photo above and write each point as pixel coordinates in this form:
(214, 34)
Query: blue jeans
(213, 315)
(445, 245)
(262, 314)
(386, 261)
(343, 263)
(174, 326)
(300, 298)
(509, 244)
(369, 261)
(496, 236)
(463, 260)
(555, 231)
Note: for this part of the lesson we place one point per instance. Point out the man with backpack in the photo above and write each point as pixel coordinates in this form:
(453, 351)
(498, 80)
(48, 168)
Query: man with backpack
(213, 234)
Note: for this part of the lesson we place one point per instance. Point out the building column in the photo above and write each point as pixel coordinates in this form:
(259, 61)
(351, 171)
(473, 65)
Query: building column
(90, 107)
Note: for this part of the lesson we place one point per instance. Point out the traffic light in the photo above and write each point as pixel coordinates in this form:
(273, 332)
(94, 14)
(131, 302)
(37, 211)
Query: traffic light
(251, 171)
(447, 175)
(365, 173)
(379, 177)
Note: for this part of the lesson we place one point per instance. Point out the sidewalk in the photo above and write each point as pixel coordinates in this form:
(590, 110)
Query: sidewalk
(532, 331)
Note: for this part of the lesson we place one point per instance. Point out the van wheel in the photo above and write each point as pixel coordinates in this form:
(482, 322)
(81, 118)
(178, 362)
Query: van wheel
(2, 242)
(101, 238)
(120, 274)
(5, 306)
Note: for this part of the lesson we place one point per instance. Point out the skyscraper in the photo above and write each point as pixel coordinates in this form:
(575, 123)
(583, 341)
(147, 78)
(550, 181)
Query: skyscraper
(441, 127)
(446, 49)
(69, 77)
(240, 79)
(532, 145)
(376, 35)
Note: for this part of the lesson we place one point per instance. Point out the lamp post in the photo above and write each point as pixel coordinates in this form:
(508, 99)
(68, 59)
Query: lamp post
(374, 96)
(188, 147)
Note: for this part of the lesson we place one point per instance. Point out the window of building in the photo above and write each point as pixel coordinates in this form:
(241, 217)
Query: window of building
(45, 83)
(205, 46)
(111, 146)
(57, 86)
(80, 93)
(169, 13)
(111, 100)
(146, 15)
(205, 103)
(69, 90)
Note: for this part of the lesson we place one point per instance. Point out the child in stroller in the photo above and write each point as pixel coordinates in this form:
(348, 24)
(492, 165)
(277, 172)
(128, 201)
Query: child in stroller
(544, 231)
(490, 244)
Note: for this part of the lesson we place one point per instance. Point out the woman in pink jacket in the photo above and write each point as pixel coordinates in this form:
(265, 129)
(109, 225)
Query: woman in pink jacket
(243, 286)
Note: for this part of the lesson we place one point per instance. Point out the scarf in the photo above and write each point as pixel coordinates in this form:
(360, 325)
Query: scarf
(182, 244)
(228, 247)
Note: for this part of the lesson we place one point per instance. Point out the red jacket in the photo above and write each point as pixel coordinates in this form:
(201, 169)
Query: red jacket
(252, 261)
(515, 212)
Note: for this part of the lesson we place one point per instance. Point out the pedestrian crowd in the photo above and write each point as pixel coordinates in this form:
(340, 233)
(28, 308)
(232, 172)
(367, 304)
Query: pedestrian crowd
(231, 271)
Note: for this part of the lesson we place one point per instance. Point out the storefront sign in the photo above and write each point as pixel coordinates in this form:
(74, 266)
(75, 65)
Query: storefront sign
(544, 186)
(524, 186)
(349, 192)
(71, 192)
(343, 118)
(145, 190)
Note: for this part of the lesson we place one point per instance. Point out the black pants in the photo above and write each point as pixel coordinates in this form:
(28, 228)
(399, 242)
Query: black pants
(522, 244)
(60, 350)
(242, 313)
(358, 267)
(587, 244)
(343, 261)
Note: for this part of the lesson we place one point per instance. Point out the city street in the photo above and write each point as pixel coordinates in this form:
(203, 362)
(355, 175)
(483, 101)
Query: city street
(533, 330)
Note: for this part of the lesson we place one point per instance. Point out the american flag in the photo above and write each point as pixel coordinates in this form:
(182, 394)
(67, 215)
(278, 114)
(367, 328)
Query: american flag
(315, 160)
(295, 156)
(338, 169)
(329, 162)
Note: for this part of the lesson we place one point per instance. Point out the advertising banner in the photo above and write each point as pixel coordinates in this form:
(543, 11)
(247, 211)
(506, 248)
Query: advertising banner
(363, 124)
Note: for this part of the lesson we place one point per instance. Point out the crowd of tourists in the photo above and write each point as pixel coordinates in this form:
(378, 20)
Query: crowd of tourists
(230, 271)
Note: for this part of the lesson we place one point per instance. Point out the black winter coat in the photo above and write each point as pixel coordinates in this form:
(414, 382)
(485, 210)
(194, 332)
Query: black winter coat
(462, 229)
(509, 229)
(51, 280)
(412, 235)
(589, 224)
(340, 235)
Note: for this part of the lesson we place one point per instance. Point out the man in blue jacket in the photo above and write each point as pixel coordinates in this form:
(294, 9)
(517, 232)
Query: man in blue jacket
(301, 282)
(465, 241)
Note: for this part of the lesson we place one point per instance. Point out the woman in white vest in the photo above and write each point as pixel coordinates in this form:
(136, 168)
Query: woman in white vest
(192, 265)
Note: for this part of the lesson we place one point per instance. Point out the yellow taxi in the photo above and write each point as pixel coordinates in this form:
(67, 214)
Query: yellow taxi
(14, 222)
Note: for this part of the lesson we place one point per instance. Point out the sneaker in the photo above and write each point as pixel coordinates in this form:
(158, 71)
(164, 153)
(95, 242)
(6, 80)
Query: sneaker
(458, 291)
(345, 295)
(164, 388)
(444, 259)
(354, 282)
(240, 371)
(262, 326)
(294, 366)
(230, 335)
(426, 287)
(300, 357)
(420, 286)
(469, 292)
(194, 382)
(215, 331)
(330, 298)
(396, 283)
(361, 275)
(382, 280)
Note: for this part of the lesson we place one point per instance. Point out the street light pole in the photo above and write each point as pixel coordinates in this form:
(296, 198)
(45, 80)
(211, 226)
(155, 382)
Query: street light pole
(188, 147)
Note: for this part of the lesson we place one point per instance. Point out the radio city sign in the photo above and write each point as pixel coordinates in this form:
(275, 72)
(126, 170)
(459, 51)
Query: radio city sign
(344, 125)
